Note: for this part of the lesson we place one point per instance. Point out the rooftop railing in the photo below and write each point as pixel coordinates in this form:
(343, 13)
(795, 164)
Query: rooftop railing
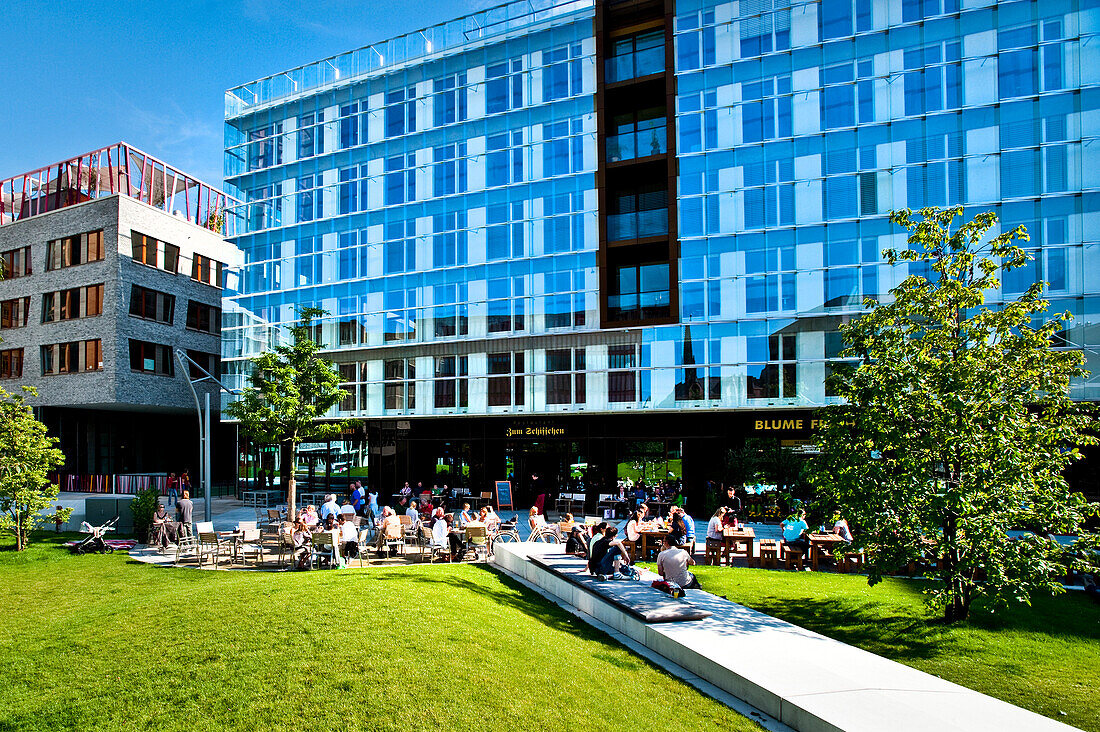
(117, 169)
(393, 53)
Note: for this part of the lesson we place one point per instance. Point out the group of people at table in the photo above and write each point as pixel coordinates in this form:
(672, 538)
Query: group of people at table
(345, 525)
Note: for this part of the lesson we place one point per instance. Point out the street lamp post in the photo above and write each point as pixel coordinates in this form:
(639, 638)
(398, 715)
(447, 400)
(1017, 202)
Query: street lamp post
(203, 411)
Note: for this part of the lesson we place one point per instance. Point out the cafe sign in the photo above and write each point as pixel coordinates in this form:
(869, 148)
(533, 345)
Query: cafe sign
(534, 431)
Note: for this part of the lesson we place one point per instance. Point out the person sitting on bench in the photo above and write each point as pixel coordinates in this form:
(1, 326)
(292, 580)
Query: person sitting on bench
(794, 532)
(673, 563)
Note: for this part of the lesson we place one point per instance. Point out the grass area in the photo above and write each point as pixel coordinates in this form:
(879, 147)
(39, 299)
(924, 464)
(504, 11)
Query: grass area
(105, 642)
(1043, 658)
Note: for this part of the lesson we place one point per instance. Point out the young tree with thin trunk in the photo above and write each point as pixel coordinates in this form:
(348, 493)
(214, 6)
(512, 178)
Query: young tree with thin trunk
(292, 388)
(957, 423)
(27, 455)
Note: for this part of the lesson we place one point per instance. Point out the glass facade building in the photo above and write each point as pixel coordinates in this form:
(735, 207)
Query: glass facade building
(607, 207)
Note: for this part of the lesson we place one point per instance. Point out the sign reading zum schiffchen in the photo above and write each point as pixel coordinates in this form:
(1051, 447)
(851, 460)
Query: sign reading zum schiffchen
(534, 431)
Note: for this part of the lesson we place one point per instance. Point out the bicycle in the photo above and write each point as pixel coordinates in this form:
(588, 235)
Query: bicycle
(509, 533)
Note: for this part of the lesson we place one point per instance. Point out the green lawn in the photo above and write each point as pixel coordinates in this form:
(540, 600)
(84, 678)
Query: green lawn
(1045, 658)
(105, 642)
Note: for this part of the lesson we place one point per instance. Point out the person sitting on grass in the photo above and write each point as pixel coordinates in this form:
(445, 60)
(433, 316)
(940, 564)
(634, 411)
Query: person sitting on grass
(608, 555)
(577, 543)
(673, 563)
(301, 545)
(794, 532)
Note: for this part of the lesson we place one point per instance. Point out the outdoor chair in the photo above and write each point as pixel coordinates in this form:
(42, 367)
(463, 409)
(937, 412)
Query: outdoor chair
(202, 526)
(212, 545)
(712, 553)
(286, 543)
(477, 541)
(792, 557)
(392, 542)
(430, 547)
(323, 549)
(850, 562)
(251, 539)
(563, 503)
(364, 545)
(187, 543)
(485, 499)
(247, 525)
(407, 527)
(769, 554)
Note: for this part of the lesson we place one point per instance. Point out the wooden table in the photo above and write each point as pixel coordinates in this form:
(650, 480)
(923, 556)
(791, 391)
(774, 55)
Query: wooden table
(732, 542)
(649, 539)
(821, 543)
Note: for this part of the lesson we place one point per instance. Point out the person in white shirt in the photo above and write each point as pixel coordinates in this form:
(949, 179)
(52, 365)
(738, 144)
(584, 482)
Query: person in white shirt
(673, 563)
(840, 526)
(443, 536)
(633, 526)
(349, 537)
(714, 526)
(330, 506)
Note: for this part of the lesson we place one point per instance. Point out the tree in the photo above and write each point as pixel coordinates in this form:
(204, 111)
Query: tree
(291, 390)
(958, 424)
(27, 454)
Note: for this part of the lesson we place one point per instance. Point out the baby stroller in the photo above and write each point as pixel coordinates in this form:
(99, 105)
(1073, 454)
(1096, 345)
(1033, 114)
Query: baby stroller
(94, 541)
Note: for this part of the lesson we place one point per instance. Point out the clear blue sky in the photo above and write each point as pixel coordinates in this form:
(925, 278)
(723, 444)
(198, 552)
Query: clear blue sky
(79, 75)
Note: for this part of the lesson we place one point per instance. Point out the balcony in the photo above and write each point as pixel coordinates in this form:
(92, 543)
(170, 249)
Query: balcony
(638, 306)
(637, 224)
(640, 144)
(633, 65)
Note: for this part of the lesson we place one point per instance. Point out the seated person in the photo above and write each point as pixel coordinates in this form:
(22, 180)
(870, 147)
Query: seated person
(311, 518)
(689, 525)
(673, 563)
(577, 543)
(677, 528)
(794, 532)
(330, 507)
(413, 514)
(465, 517)
(840, 527)
(443, 536)
(537, 522)
(715, 525)
(389, 528)
(608, 555)
(301, 545)
(633, 526)
(330, 522)
(163, 529)
(492, 521)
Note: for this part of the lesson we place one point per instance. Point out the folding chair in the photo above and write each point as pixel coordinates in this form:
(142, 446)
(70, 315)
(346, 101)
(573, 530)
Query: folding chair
(323, 548)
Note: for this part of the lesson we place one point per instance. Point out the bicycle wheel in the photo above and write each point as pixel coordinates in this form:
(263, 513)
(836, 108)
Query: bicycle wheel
(109, 549)
(547, 537)
(507, 536)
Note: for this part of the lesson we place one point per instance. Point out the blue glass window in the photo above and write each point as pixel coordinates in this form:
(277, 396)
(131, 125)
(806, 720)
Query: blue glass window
(504, 88)
(310, 137)
(449, 239)
(400, 180)
(349, 189)
(561, 76)
(399, 250)
(449, 169)
(348, 257)
(504, 235)
(349, 125)
(401, 112)
(839, 109)
(309, 199)
(449, 103)
(1017, 68)
(504, 163)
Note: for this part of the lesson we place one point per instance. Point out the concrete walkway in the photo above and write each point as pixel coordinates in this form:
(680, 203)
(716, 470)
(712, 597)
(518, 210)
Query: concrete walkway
(800, 678)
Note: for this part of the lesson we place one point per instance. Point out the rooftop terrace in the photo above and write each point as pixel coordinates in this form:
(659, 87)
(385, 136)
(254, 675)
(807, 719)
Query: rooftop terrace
(116, 169)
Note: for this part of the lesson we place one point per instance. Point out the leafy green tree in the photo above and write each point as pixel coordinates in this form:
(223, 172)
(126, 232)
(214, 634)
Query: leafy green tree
(27, 454)
(292, 388)
(957, 424)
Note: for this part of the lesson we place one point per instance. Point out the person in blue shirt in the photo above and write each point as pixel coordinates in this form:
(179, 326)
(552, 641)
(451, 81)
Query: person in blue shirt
(794, 532)
(689, 523)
